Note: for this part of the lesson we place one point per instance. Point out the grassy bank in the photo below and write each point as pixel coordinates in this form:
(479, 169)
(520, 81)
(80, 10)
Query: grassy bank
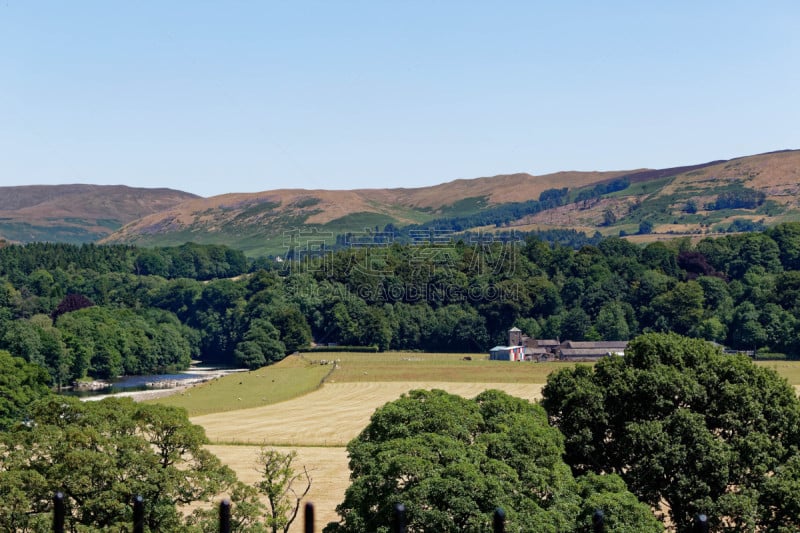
(283, 381)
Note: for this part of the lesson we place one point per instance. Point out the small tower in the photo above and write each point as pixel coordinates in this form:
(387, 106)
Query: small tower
(515, 337)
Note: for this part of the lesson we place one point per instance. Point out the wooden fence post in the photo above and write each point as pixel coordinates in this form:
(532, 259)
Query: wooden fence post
(499, 525)
(700, 524)
(399, 518)
(599, 521)
(58, 512)
(309, 517)
(225, 516)
(138, 514)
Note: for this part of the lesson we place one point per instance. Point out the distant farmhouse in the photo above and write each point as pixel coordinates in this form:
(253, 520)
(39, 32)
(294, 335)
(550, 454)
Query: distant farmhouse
(524, 348)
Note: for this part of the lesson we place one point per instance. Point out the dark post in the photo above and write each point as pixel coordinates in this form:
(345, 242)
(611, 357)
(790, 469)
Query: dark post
(399, 518)
(309, 517)
(700, 524)
(499, 520)
(225, 516)
(58, 512)
(599, 521)
(138, 514)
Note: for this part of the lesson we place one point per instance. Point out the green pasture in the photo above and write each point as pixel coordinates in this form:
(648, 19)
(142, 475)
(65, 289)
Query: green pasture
(288, 379)
(788, 369)
(416, 366)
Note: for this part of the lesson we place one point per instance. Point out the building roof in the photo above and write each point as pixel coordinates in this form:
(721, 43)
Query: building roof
(515, 329)
(585, 352)
(547, 342)
(498, 348)
(596, 345)
(533, 350)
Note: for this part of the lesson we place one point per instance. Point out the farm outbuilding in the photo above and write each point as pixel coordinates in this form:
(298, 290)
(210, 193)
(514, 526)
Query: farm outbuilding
(507, 353)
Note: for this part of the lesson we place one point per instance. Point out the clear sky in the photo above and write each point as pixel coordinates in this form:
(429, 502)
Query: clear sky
(232, 96)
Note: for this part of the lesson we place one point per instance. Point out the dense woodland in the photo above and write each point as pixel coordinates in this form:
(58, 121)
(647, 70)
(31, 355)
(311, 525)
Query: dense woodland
(103, 311)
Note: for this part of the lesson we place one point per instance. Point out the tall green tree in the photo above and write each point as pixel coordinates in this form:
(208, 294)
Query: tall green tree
(452, 461)
(679, 309)
(612, 322)
(688, 428)
(261, 345)
(101, 454)
(21, 384)
(787, 237)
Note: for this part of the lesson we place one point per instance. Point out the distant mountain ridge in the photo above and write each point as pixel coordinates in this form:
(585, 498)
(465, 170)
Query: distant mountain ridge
(744, 193)
(77, 213)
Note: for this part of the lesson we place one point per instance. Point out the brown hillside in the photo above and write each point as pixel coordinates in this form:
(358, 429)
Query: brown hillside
(777, 174)
(498, 189)
(255, 217)
(46, 212)
(86, 201)
(323, 206)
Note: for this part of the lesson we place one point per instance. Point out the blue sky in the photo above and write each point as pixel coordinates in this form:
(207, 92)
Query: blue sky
(234, 96)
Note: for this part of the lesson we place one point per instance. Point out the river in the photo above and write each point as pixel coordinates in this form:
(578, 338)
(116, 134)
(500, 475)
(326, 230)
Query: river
(129, 384)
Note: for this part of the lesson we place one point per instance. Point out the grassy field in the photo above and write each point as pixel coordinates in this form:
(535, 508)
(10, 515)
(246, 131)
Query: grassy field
(288, 379)
(299, 375)
(414, 366)
(788, 369)
(283, 407)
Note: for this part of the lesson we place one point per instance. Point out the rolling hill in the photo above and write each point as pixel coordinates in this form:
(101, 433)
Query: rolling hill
(742, 194)
(690, 200)
(263, 223)
(77, 213)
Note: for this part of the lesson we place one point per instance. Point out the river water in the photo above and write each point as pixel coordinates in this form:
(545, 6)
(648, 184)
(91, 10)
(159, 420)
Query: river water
(141, 383)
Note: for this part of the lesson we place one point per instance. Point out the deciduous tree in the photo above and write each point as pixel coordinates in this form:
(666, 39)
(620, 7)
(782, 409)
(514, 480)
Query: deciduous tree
(688, 428)
(101, 454)
(283, 485)
(21, 384)
(452, 461)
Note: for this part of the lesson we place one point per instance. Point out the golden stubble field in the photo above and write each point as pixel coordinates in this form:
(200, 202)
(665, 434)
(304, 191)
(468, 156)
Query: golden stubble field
(317, 423)
(318, 426)
(330, 416)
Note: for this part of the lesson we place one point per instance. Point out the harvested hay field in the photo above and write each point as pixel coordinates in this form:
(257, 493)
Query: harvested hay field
(318, 426)
(327, 467)
(788, 369)
(330, 416)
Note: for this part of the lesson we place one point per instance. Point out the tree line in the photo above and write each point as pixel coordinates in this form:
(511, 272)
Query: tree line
(91, 311)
